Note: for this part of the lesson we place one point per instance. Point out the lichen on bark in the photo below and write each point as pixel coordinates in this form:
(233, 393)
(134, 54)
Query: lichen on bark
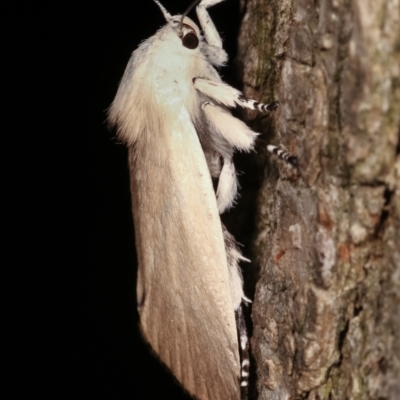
(326, 310)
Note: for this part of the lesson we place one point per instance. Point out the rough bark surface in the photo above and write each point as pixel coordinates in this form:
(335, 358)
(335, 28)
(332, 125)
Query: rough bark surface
(326, 311)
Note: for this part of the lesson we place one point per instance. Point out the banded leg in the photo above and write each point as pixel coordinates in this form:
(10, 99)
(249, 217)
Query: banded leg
(229, 96)
(244, 352)
(292, 160)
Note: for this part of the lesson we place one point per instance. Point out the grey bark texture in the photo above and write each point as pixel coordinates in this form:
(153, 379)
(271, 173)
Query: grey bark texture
(326, 309)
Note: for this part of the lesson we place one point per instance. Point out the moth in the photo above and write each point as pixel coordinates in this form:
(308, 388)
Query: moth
(172, 111)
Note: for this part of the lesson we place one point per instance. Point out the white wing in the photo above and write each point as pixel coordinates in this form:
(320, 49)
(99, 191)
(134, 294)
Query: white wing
(183, 284)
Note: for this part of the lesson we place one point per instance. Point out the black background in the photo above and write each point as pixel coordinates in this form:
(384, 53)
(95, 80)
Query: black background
(73, 227)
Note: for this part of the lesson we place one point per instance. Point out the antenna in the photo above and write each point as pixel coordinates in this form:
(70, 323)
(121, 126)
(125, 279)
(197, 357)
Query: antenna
(194, 3)
(167, 15)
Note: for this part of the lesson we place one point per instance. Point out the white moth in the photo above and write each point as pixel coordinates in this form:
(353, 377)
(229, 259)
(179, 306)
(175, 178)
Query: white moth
(171, 109)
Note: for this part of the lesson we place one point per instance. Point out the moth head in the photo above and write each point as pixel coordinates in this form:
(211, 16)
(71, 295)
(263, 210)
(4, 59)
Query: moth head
(184, 27)
(187, 31)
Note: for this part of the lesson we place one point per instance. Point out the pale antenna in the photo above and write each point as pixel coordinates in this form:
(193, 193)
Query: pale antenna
(167, 15)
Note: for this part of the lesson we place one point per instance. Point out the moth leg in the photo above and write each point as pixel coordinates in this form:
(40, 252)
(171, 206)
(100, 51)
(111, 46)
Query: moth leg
(229, 96)
(210, 32)
(234, 131)
(212, 46)
(292, 160)
(244, 351)
(227, 186)
(237, 134)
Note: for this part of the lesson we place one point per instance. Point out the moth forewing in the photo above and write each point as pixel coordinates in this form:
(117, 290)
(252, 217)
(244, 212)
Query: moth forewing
(186, 308)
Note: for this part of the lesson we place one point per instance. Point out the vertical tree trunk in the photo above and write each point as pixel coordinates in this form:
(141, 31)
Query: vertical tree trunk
(326, 310)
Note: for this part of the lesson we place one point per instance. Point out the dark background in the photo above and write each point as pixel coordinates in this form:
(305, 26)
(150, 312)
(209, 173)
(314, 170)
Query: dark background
(74, 216)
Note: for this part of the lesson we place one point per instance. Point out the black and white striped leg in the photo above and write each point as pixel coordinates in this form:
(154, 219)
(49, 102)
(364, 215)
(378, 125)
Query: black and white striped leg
(229, 96)
(256, 105)
(244, 352)
(292, 160)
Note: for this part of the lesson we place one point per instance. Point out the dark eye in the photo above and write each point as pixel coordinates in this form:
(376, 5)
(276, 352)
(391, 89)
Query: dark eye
(190, 40)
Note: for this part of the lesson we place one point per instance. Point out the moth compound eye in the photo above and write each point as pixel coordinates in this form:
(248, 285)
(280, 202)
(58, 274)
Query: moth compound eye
(190, 40)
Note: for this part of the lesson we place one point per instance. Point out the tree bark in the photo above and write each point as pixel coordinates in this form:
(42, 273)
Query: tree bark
(326, 310)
